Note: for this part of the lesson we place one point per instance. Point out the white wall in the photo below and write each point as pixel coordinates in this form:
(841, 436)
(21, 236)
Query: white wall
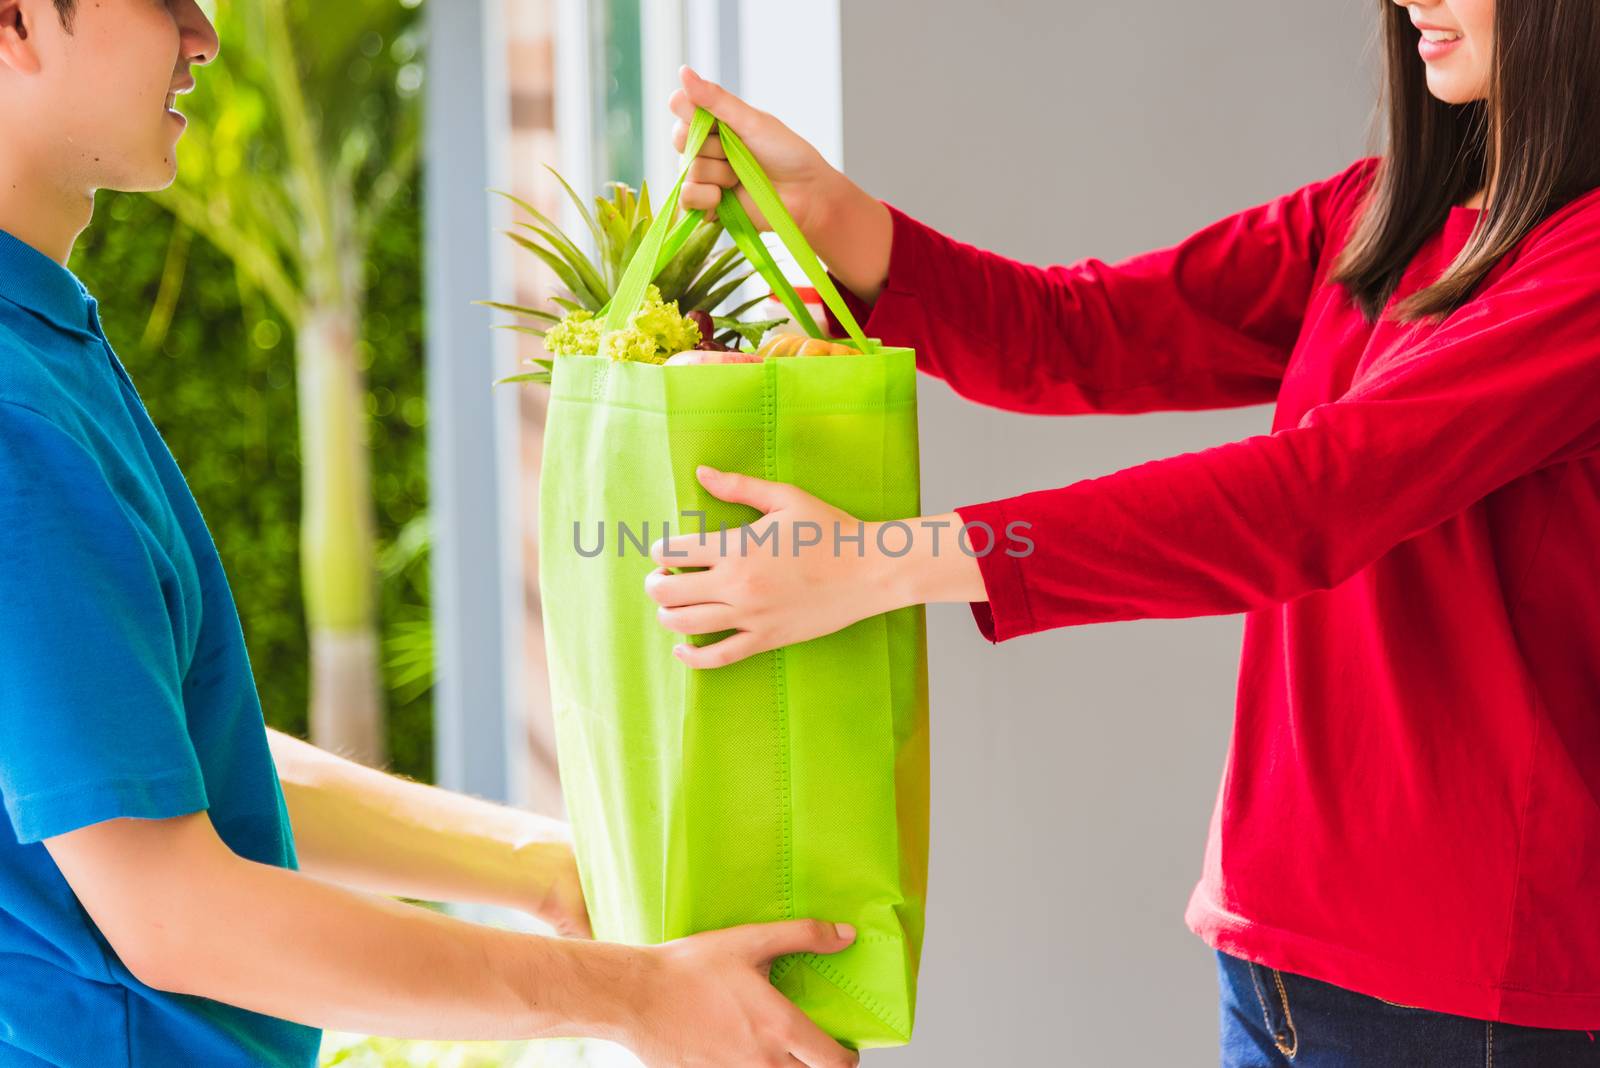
(1075, 770)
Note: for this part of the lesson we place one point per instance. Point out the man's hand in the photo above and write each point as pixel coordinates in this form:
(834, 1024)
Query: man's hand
(707, 1003)
(187, 915)
(555, 893)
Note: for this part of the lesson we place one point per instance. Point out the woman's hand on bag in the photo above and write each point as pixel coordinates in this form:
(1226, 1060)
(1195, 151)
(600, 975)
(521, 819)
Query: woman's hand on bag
(804, 569)
(849, 229)
(764, 580)
(802, 177)
(705, 1001)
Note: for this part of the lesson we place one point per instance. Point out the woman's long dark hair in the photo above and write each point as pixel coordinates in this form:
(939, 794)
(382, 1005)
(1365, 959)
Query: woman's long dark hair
(1534, 142)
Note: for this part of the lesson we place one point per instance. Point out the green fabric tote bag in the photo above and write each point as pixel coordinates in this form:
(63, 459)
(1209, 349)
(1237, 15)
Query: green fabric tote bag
(790, 784)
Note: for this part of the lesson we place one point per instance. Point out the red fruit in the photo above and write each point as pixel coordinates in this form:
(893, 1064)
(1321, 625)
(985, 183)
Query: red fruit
(708, 329)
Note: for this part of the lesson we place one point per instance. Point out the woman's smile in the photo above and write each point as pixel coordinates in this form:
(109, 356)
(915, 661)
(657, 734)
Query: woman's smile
(1437, 42)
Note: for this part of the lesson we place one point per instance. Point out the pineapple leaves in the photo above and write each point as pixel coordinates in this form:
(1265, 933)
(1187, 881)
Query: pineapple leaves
(583, 209)
(701, 287)
(675, 277)
(545, 367)
(692, 271)
(518, 309)
(642, 209)
(616, 230)
(632, 244)
(563, 270)
(542, 377)
(724, 291)
(575, 259)
(564, 246)
(746, 306)
(627, 204)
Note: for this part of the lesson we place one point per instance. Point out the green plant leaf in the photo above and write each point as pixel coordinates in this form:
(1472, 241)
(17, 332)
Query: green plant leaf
(724, 291)
(516, 329)
(626, 202)
(563, 270)
(642, 209)
(746, 306)
(674, 278)
(616, 230)
(583, 210)
(629, 247)
(517, 309)
(563, 244)
(529, 376)
(579, 263)
(752, 331)
(697, 290)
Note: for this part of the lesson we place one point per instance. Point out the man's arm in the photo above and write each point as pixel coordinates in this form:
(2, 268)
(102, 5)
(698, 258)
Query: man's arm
(185, 914)
(371, 831)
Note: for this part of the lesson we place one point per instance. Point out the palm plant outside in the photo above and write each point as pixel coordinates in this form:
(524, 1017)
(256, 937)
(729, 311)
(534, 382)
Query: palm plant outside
(304, 132)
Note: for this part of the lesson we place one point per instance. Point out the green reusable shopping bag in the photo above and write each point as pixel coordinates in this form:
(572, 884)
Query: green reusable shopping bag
(793, 783)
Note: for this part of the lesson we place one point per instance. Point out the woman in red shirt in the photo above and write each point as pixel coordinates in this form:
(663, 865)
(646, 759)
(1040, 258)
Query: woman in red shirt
(1404, 862)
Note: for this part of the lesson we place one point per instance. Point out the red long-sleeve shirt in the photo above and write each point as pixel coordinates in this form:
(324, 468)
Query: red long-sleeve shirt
(1411, 802)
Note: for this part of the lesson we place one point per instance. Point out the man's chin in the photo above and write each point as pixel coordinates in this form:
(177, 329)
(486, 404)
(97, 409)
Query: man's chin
(146, 180)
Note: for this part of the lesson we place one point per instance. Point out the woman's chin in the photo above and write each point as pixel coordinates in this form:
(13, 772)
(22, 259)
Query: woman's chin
(1453, 90)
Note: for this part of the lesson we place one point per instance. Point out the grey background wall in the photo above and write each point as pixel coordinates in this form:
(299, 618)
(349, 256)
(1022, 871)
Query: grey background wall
(1075, 770)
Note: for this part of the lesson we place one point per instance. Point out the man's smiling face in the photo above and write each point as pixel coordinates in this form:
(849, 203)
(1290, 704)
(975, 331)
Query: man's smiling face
(92, 85)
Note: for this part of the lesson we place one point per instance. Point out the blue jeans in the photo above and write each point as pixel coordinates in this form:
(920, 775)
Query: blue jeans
(1276, 1019)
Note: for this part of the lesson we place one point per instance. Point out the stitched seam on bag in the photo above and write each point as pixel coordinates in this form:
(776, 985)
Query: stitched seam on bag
(865, 1000)
(769, 416)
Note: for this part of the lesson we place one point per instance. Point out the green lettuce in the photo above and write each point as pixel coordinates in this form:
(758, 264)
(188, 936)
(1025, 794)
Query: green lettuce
(656, 331)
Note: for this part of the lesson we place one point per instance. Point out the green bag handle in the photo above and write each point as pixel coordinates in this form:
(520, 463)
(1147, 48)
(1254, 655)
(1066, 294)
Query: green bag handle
(629, 294)
(759, 186)
(748, 239)
(628, 297)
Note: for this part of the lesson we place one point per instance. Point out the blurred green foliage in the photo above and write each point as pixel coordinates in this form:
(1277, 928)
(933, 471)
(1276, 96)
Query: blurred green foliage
(219, 381)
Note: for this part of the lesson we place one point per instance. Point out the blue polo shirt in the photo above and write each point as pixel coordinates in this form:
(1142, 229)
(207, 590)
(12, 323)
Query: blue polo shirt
(125, 690)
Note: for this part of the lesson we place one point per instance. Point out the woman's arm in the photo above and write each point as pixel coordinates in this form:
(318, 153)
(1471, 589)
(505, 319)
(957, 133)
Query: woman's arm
(1207, 323)
(371, 831)
(1505, 386)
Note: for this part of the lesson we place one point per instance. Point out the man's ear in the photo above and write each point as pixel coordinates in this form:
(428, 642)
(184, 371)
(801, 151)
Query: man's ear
(17, 50)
